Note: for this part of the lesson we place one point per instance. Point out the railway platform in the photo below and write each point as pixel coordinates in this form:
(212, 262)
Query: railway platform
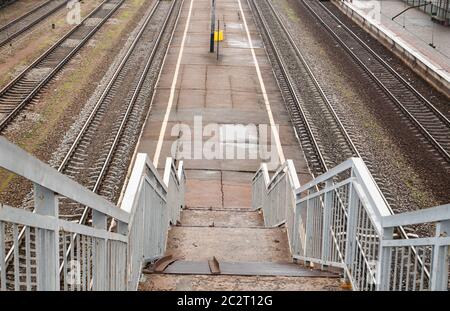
(226, 182)
(231, 95)
(413, 36)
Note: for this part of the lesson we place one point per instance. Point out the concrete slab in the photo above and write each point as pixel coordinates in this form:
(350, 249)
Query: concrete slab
(221, 218)
(237, 195)
(237, 283)
(217, 188)
(205, 190)
(190, 98)
(248, 166)
(225, 92)
(411, 36)
(219, 99)
(229, 244)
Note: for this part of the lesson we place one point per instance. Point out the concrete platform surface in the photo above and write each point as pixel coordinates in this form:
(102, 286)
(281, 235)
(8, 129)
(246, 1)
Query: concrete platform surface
(221, 218)
(203, 105)
(229, 244)
(166, 282)
(413, 31)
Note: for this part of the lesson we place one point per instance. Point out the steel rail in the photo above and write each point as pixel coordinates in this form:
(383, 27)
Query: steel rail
(341, 127)
(401, 230)
(308, 129)
(17, 19)
(30, 25)
(98, 104)
(290, 85)
(297, 102)
(51, 74)
(345, 134)
(446, 122)
(128, 111)
(389, 67)
(22, 232)
(130, 104)
(292, 92)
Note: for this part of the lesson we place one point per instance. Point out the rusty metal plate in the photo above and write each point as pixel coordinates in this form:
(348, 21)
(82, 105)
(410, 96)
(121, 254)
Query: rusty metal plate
(246, 269)
(214, 266)
(163, 263)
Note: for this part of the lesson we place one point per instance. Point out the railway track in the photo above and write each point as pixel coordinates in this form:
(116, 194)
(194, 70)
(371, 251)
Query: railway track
(294, 82)
(98, 156)
(25, 22)
(322, 135)
(23, 89)
(4, 3)
(86, 161)
(430, 122)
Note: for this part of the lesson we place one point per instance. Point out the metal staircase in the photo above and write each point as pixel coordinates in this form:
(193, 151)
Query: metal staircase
(105, 253)
(340, 220)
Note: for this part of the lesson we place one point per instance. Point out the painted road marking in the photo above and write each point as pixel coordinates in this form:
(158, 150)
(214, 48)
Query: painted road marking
(175, 79)
(172, 90)
(263, 89)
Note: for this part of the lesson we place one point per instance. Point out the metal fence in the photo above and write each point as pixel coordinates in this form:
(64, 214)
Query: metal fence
(274, 195)
(341, 220)
(55, 254)
(153, 204)
(438, 9)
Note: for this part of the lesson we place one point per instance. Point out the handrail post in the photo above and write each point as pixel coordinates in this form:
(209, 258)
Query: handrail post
(122, 227)
(2, 256)
(309, 223)
(122, 271)
(181, 177)
(383, 270)
(350, 244)
(100, 264)
(296, 235)
(439, 266)
(327, 209)
(47, 242)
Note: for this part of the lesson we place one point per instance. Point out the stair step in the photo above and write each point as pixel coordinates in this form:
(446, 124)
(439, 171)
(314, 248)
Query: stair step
(226, 219)
(244, 269)
(229, 244)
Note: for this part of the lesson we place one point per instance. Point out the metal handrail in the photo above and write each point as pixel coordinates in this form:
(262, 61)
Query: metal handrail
(359, 237)
(134, 218)
(144, 178)
(435, 214)
(17, 161)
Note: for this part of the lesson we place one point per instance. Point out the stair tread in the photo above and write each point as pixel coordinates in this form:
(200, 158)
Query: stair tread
(221, 218)
(246, 269)
(229, 244)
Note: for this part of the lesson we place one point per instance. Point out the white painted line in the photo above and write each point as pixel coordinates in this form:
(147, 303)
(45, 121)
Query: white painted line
(172, 90)
(263, 89)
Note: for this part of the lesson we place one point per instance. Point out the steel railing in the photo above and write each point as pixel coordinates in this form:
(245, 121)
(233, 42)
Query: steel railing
(340, 220)
(438, 9)
(91, 256)
(153, 204)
